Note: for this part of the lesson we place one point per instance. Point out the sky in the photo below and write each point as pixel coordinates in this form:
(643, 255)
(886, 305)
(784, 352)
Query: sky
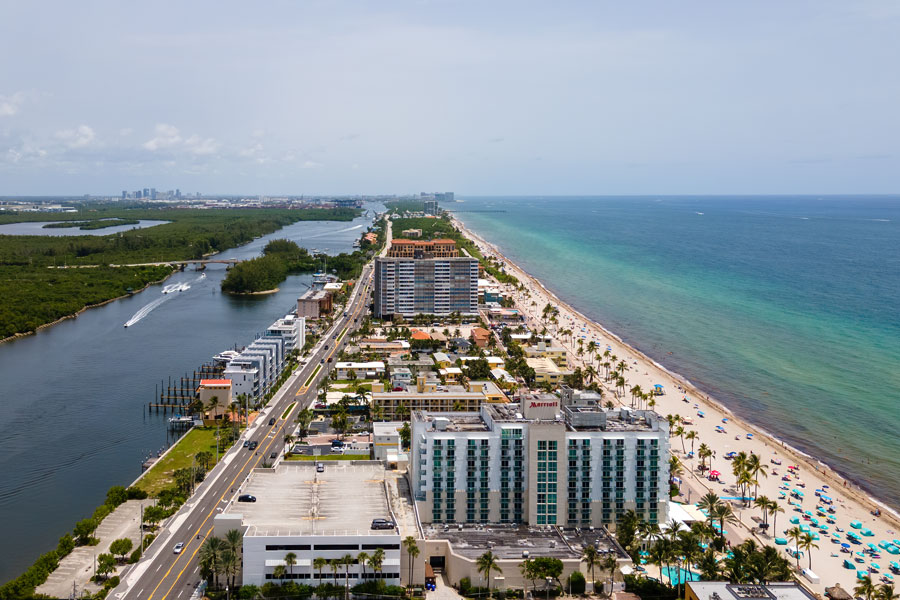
(498, 97)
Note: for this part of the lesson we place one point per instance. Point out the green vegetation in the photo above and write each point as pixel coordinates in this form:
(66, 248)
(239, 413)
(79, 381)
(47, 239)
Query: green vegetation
(93, 224)
(402, 206)
(442, 228)
(32, 297)
(183, 455)
(288, 410)
(40, 294)
(24, 585)
(282, 258)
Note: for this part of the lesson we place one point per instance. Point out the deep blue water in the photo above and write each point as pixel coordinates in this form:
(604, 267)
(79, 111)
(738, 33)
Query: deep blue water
(786, 309)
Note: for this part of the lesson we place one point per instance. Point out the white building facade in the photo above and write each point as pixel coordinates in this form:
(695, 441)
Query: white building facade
(541, 464)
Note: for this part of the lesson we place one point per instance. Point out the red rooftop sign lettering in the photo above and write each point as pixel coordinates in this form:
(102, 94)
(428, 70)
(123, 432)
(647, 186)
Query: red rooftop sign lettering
(540, 404)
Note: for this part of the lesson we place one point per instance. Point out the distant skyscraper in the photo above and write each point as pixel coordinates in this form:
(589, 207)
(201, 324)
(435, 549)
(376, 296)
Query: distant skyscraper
(177, 193)
(431, 207)
(146, 192)
(124, 194)
(433, 286)
(153, 193)
(138, 195)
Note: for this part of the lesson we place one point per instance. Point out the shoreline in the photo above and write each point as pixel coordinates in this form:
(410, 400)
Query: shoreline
(262, 293)
(74, 315)
(834, 477)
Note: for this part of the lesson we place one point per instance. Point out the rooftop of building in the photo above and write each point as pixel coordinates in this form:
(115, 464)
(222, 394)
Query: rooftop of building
(542, 363)
(296, 500)
(312, 294)
(723, 590)
(216, 382)
(575, 418)
(401, 242)
(508, 542)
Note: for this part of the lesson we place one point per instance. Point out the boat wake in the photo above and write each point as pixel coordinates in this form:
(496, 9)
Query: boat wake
(150, 307)
(167, 293)
(355, 227)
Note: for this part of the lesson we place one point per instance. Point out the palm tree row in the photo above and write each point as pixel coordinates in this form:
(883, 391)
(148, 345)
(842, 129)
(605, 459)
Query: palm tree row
(222, 557)
(869, 591)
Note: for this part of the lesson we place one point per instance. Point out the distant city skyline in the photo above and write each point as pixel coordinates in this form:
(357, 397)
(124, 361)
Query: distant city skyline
(496, 98)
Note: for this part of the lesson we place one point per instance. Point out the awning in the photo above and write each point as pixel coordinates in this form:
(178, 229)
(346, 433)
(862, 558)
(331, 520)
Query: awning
(626, 570)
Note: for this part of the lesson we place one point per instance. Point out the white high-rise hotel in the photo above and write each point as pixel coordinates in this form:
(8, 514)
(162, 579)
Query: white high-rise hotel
(541, 462)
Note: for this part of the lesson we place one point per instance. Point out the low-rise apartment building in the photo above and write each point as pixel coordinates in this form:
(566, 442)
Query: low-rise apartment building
(431, 395)
(547, 371)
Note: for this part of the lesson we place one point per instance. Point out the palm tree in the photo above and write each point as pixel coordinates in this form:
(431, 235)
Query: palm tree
(590, 557)
(609, 564)
(334, 564)
(691, 435)
(278, 573)
(756, 468)
(290, 559)
(635, 391)
(412, 549)
(709, 565)
(319, 563)
(774, 509)
(886, 592)
(866, 589)
(704, 452)
(708, 502)
(724, 514)
(679, 432)
(486, 563)
(362, 558)
(763, 503)
(346, 561)
(234, 541)
(808, 543)
(376, 560)
(229, 565)
(211, 556)
(675, 469)
(796, 534)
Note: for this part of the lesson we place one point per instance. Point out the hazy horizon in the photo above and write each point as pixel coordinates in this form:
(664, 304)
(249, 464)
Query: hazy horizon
(506, 98)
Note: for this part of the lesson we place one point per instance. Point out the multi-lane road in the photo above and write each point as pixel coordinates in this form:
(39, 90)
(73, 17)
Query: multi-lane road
(162, 574)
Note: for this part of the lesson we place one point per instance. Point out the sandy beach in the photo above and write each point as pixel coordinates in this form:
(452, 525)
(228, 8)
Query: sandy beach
(704, 415)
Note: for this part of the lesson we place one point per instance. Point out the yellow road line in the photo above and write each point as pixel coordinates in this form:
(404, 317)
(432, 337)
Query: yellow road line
(222, 497)
(198, 530)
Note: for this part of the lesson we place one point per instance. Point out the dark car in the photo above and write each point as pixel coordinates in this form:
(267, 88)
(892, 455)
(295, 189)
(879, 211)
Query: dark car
(273, 455)
(382, 524)
(322, 362)
(246, 498)
(272, 421)
(253, 445)
(246, 443)
(320, 468)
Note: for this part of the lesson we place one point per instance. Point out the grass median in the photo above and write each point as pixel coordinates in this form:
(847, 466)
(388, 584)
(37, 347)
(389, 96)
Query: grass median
(198, 439)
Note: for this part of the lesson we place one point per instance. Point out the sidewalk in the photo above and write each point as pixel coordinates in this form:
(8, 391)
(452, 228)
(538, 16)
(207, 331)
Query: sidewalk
(78, 566)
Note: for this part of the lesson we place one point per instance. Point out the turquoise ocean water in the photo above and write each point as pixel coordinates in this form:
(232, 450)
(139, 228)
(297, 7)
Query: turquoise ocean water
(786, 309)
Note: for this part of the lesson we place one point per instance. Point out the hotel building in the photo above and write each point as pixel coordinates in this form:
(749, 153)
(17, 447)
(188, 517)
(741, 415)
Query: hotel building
(540, 463)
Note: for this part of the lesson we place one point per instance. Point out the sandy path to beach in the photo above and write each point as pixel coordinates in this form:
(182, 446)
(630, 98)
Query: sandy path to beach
(685, 400)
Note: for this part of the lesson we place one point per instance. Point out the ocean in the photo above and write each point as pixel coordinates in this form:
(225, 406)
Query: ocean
(783, 308)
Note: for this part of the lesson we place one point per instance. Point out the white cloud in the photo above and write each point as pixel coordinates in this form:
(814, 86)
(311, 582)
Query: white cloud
(253, 150)
(201, 146)
(167, 136)
(9, 105)
(79, 137)
(311, 164)
(126, 131)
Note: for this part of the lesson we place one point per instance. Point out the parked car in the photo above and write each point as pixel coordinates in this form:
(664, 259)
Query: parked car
(337, 449)
(273, 455)
(178, 547)
(246, 498)
(382, 524)
(320, 468)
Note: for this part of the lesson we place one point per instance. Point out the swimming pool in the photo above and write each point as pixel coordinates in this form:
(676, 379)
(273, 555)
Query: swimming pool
(679, 575)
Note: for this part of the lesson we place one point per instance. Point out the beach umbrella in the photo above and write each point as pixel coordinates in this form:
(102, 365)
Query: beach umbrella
(795, 520)
(896, 542)
(862, 574)
(866, 532)
(875, 567)
(855, 524)
(845, 545)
